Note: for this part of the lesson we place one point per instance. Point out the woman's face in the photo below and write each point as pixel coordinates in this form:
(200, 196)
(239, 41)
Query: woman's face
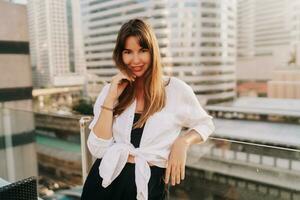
(135, 57)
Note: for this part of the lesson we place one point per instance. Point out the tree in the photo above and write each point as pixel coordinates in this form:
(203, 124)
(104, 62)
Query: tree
(84, 106)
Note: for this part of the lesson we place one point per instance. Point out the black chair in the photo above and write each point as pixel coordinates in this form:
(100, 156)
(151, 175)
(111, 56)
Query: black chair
(25, 189)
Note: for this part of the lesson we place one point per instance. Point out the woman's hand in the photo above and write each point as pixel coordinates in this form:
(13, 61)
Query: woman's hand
(118, 84)
(175, 171)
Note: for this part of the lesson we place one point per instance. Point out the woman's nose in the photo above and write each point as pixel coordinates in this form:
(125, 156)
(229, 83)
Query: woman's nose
(136, 59)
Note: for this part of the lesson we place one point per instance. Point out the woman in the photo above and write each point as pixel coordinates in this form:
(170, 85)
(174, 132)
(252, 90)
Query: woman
(137, 121)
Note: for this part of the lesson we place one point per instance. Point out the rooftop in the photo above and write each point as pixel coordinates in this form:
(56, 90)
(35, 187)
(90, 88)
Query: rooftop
(260, 105)
(259, 132)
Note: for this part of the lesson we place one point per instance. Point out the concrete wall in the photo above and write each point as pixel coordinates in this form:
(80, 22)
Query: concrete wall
(262, 67)
(15, 71)
(285, 84)
(17, 140)
(14, 23)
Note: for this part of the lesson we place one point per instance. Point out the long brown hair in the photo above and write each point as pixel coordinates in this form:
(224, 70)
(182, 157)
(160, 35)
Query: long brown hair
(154, 90)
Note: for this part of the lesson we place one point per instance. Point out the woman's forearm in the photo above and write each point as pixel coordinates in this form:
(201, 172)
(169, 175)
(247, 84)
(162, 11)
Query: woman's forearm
(103, 127)
(191, 137)
(175, 170)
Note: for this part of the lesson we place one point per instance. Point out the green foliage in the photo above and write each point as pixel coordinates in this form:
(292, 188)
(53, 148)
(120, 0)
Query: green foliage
(84, 107)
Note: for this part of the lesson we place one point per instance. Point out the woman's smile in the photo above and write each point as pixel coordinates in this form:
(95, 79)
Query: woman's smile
(137, 69)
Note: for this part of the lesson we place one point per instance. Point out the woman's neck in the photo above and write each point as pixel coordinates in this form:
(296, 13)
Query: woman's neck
(139, 87)
(139, 83)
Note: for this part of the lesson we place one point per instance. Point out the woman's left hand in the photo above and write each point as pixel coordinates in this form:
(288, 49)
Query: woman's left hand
(175, 171)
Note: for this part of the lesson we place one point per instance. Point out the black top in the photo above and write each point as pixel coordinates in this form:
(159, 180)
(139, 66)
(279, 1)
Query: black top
(136, 134)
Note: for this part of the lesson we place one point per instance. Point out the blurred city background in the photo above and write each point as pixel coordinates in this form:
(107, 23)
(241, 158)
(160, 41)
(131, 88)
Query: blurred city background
(241, 57)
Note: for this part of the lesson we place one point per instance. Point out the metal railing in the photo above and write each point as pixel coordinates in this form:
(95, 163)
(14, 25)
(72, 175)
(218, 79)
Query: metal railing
(87, 159)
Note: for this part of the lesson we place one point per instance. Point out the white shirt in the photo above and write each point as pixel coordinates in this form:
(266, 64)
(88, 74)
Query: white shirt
(160, 131)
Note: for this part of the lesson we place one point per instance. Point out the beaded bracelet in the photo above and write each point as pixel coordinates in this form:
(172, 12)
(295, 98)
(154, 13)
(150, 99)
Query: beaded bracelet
(107, 108)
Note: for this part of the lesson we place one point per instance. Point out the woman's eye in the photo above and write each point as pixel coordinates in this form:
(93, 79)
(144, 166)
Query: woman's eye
(126, 52)
(145, 50)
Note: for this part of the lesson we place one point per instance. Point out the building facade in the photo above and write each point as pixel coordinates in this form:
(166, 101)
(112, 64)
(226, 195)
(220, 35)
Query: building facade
(56, 46)
(197, 40)
(267, 34)
(17, 143)
(285, 83)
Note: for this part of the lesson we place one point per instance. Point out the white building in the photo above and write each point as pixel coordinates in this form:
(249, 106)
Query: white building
(56, 45)
(267, 33)
(197, 40)
(17, 1)
(295, 32)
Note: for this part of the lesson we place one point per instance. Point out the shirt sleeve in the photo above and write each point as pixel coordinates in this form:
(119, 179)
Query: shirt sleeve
(193, 116)
(96, 145)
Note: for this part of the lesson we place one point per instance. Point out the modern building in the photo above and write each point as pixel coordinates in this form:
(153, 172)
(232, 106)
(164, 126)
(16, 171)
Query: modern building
(56, 46)
(258, 109)
(197, 41)
(295, 25)
(17, 1)
(17, 143)
(285, 83)
(267, 33)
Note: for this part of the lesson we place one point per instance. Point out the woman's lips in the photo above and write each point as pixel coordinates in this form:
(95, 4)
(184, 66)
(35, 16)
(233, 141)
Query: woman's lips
(137, 69)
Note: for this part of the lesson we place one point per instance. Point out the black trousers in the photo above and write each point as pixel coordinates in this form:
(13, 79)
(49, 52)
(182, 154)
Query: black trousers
(123, 187)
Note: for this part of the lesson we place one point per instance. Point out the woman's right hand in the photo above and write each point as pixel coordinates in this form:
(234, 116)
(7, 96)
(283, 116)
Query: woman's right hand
(118, 84)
